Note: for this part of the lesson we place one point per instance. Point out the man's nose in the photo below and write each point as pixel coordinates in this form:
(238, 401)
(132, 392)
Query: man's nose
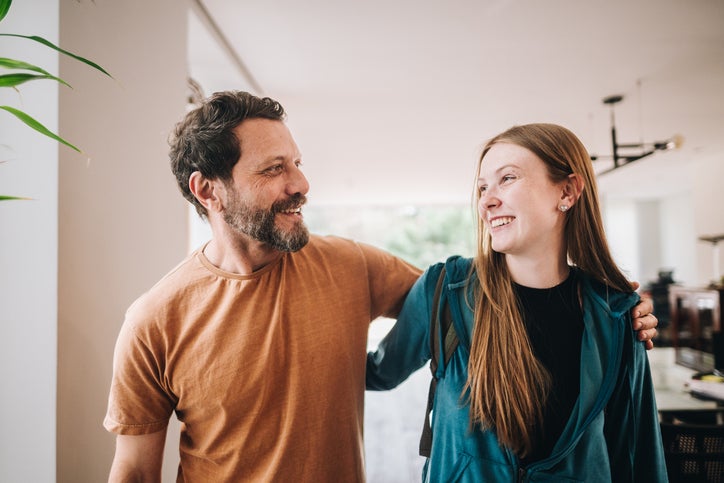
(297, 182)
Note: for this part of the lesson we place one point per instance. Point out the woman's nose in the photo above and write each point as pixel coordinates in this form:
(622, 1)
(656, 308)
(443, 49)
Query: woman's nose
(487, 203)
(489, 198)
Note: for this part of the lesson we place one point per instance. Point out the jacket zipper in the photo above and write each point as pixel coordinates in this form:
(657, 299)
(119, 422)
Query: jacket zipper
(521, 474)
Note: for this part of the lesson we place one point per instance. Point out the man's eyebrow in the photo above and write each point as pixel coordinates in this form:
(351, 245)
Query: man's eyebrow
(272, 160)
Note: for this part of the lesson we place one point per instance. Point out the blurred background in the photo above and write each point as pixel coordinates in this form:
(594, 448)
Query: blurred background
(390, 103)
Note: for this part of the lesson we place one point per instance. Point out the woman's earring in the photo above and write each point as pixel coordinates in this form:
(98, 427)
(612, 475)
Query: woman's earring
(563, 208)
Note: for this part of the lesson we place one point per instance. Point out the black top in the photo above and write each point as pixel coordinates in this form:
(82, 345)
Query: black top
(554, 322)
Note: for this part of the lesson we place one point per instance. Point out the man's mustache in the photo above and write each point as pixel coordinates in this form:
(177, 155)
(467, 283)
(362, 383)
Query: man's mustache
(294, 201)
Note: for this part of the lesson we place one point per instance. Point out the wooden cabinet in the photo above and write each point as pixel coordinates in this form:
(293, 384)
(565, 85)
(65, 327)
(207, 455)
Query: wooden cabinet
(695, 317)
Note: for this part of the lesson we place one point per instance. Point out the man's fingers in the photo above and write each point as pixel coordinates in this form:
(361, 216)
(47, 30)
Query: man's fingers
(647, 322)
(645, 306)
(647, 334)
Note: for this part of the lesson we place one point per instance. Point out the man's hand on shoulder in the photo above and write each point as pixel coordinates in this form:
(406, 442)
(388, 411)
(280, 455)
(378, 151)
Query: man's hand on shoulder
(644, 320)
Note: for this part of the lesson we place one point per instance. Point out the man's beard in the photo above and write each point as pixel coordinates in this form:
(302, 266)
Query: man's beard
(259, 223)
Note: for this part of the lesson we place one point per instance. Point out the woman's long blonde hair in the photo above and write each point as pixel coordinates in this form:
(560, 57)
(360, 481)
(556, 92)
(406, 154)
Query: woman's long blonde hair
(507, 385)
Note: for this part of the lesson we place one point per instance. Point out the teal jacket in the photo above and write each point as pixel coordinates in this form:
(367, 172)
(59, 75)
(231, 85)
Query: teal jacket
(613, 432)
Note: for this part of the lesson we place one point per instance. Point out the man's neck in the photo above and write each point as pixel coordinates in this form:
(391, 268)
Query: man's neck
(238, 255)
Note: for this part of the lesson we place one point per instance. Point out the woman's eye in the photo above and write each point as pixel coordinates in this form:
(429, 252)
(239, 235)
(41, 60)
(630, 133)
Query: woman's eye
(508, 177)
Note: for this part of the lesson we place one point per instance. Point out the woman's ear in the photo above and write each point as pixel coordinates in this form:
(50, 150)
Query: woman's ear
(206, 191)
(572, 188)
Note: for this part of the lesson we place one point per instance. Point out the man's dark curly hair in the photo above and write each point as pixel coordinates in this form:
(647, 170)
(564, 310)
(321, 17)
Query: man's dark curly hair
(204, 140)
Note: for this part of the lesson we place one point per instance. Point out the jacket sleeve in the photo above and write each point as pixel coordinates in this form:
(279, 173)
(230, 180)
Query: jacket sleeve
(632, 430)
(406, 347)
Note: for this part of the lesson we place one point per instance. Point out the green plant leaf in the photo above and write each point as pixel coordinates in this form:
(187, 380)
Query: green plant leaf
(4, 7)
(15, 79)
(55, 47)
(37, 126)
(20, 65)
(7, 198)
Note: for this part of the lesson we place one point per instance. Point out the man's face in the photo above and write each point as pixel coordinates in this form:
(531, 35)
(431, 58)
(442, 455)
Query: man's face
(265, 195)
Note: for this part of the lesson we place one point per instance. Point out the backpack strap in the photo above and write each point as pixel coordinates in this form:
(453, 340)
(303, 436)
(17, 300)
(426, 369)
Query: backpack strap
(450, 343)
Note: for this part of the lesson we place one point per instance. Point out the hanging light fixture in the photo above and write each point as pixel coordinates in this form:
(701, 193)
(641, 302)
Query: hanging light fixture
(625, 153)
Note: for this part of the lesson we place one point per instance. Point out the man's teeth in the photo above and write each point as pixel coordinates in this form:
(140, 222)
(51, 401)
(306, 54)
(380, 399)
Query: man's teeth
(501, 221)
(293, 210)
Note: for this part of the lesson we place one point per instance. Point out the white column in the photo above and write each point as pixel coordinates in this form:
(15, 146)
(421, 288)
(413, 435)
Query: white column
(122, 220)
(28, 255)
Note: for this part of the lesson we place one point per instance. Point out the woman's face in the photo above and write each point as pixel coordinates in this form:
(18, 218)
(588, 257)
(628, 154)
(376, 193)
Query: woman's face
(519, 203)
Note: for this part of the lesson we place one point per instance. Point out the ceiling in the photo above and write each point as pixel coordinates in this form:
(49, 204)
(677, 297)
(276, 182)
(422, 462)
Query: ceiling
(390, 101)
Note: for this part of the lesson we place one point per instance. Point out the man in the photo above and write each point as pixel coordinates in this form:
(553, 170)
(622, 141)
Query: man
(257, 341)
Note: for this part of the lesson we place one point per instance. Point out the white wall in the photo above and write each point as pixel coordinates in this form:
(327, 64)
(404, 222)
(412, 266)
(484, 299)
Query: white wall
(619, 216)
(28, 256)
(648, 235)
(649, 240)
(122, 220)
(678, 243)
(708, 196)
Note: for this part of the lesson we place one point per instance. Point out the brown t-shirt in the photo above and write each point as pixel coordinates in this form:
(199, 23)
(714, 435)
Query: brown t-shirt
(265, 371)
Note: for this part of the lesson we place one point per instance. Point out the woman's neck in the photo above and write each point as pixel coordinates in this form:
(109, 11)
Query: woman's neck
(538, 273)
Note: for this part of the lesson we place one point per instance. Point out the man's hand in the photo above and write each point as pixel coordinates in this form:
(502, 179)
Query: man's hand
(644, 321)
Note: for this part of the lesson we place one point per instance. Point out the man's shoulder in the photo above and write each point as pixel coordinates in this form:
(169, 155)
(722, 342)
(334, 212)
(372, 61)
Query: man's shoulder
(171, 286)
(354, 255)
(333, 245)
(326, 242)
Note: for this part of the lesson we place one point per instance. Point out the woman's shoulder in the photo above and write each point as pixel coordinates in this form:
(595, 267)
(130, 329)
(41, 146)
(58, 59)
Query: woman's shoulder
(611, 298)
(457, 271)
(458, 268)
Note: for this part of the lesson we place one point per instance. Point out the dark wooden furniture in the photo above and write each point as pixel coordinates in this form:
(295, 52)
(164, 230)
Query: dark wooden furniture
(693, 445)
(696, 329)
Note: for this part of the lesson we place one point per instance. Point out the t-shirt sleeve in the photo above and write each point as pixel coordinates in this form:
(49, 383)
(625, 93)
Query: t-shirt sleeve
(390, 280)
(138, 403)
(405, 348)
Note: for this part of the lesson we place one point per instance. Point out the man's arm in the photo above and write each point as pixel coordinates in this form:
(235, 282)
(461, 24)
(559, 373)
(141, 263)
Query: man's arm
(644, 321)
(138, 459)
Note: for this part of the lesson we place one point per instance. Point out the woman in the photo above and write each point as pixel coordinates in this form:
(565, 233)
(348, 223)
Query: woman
(548, 381)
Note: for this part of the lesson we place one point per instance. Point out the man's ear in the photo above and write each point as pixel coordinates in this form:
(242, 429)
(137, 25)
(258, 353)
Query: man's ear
(206, 191)
(572, 189)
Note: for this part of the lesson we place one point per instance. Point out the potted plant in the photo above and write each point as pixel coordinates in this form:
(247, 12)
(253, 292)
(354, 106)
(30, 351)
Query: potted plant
(17, 72)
